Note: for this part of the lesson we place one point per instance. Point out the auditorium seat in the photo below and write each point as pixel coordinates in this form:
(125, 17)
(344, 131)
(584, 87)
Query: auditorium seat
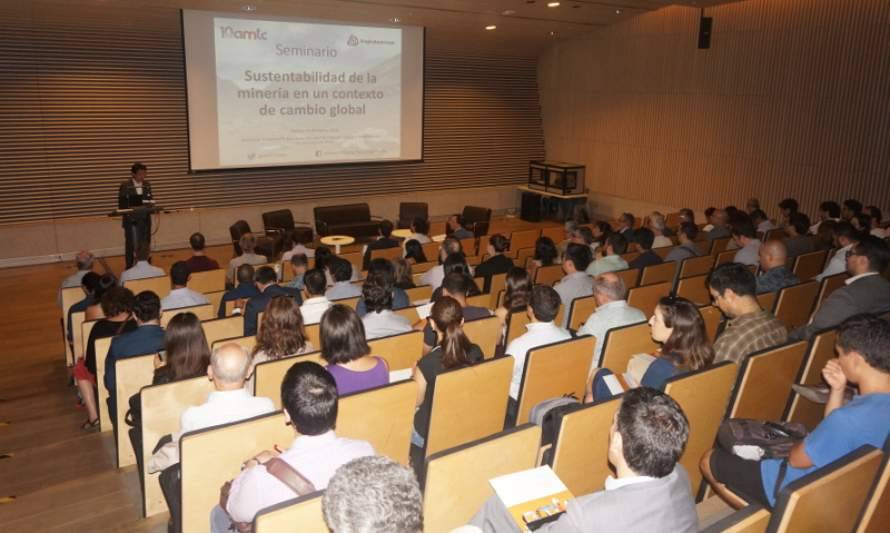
(278, 223)
(349, 219)
(554, 370)
(477, 219)
(264, 245)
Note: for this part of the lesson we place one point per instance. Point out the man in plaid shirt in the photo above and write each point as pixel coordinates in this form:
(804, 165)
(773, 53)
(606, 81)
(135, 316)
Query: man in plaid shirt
(750, 328)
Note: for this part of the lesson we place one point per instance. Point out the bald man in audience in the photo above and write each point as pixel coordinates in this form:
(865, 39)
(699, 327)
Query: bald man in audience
(775, 274)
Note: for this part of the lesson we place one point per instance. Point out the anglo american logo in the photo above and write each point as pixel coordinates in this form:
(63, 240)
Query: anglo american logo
(228, 32)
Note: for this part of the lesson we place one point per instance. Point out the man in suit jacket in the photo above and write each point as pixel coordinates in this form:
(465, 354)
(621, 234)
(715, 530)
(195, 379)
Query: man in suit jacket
(267, 284)
(866, 291)
(384, 240)
(132, 193)
(644, 239)
(497, 262)
(651, 491)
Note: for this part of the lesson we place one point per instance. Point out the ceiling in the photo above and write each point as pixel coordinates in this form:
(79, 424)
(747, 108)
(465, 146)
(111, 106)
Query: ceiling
(524, 27)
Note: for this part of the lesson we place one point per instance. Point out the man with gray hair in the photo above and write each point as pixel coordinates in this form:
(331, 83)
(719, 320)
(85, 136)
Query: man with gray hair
(84, 262)
(612, 311)
(247, 242)
(658, 225)
(373, 494)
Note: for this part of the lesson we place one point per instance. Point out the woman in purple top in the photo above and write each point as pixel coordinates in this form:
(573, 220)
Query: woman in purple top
(347, 353)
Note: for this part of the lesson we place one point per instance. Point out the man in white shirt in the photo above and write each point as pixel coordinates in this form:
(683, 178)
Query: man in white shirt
(314, 301)
(876, 215)
(309, 398)
(576, 283)
(658, 225)
(181, 295)
(844, 239)
(543, 307)
(341, 271)
(84, 262)
(419, 229)
(380, 320)
(762, 222)
(749, 245)
(612, 311)
(142, 269)
(434, 276)
(247, 242)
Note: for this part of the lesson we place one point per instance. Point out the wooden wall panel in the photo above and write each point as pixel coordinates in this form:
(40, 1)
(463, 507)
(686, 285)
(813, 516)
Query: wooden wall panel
(85, 91)
(792, 99)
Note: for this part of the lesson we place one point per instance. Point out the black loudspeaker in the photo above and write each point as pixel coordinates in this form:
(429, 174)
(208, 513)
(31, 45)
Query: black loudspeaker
(704, 32)
(531, 207)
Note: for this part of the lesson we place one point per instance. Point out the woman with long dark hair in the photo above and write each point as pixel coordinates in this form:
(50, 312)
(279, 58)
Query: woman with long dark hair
(186, 352)
(414, 252)
(453, 350)
(347, 353)
(517, 291)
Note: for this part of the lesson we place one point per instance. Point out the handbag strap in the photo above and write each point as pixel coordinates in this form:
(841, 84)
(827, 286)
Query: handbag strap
(289, 476)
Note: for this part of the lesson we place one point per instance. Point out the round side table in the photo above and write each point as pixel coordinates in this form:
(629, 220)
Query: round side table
(337, 241)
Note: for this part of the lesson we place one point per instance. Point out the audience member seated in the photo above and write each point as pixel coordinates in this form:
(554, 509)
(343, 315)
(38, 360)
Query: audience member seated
(268, 287)
(497, 262)
(686, 235)
(644, 238)
(434, 276)
(584, 235)
(863, 347)
(402, 274)
(298, 264)
(659, 229)
(455, 285)
(147, 338)
(752, 205)
(386, 492)
(762, 223)
(457, 264)
(344, 348)
(414, 253)
(876, 228)
(774, 274)
(677, 325)
(309, 397)
(517, 290)
(797, 241)
(379, 319)
(750, 328)
(244, 291)
(650, 490)
(199, 262)
(315, 303)
(229, 402)
(609, 256)
(576, 282)
(456, 228)
(861, 222)
(323, 258)
(851, 207)
(542, 310)
(788, 207)
(88, 284)
(296, 245)
(626, 226)
(247, 242)
(142, 269)
(844, 237)
(718, 225)
(866, 291)
(341, 272)
(420, 228)
(600, 230)
(94, 309)
(84, 262)
(282, 335)
(384, 240)
(453, 350)
(687, 215)
(117, 305)
(746, 240)
(546, 254)
(824, 239)
(180, 295)
(828, 210)
(385, 271)
(612, 310)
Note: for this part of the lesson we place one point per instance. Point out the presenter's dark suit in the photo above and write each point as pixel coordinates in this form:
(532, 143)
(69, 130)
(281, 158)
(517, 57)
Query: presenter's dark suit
(137, 226)
(259, 303)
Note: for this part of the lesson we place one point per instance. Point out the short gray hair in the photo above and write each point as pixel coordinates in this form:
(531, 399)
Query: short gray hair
(373, 494)
(230, 363)
(84, 260)
(657, 221)
(613, 290)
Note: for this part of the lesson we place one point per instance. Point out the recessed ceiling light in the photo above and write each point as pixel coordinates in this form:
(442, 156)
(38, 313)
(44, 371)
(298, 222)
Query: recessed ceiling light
(617, 11)
(248, 8)
(491, 27)
(552, 4)
(509, 12)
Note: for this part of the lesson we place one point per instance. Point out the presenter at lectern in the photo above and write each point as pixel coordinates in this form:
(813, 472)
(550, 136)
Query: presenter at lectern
(132, 194)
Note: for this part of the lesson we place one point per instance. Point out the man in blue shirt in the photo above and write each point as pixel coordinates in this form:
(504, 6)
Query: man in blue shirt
(863, 348)
(147, 338)
(245, 290)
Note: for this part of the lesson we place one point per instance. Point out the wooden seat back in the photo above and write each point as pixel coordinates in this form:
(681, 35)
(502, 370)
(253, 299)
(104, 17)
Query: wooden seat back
(630, 277)
(764, 382)
(828, 286)
(696, 266)
(469, 404)
(664, 251)
(223, 328)
(556, 233)
(468, 245)
(305, 511)
(431, 252)
(82, 329)
(694, 289)
(622, 343)
(160, 285)
(821, 350)
(645, 298)
(548, 275)
(829, 499)
(386, 253)
(416, 294)
(664, 272)
(794, 304)
(456, 484)
(348, 302)
(70, 296)
(485, 332)
(767, 300)
(876, 513)
(102, 346)
(410, 313)
(581, 452)
(247, 343)
(703, 396)
(524, 238)
(554, 370)
(400, 351)
(719, 245)
(162, 408)
(809, 265)
(215, 298)
(750, 519)
(580, 311)
(630, 256)
(480, 300)
(498, 283)
(203, 312)
(383, 416)
(523, 256)
(726, 256)
(208, 281)
(268, 375)
(131, 374)
(355, 258)
(712, 316)
(313, 334)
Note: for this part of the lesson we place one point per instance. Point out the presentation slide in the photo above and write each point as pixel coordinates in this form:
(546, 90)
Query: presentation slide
(275, 92)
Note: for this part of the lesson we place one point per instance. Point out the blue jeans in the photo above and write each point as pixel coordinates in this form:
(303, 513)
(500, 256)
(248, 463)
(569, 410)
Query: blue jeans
(416, 439)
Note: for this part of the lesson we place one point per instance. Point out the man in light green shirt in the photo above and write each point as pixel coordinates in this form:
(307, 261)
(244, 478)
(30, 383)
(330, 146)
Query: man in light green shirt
(611, 260)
